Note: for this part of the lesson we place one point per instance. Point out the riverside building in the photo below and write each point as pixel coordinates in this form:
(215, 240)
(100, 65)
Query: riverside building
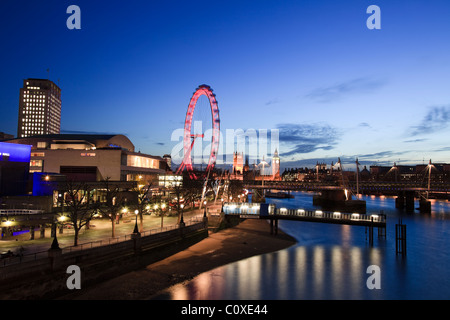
(39, 108)
(92, 157)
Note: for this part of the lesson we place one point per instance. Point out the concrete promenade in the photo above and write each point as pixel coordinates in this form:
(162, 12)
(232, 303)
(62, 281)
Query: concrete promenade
(100, 230)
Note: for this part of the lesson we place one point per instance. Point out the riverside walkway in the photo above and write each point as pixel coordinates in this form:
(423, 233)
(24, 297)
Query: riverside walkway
(98, 234)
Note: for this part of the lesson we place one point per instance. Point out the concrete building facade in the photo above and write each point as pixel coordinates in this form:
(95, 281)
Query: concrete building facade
(39, 108)
(92, 158)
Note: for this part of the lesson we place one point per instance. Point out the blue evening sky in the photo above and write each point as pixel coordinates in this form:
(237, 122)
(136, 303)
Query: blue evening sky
(311, 69)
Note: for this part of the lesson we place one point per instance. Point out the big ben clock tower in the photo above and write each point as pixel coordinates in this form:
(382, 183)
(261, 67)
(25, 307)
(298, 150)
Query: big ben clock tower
(275, 166)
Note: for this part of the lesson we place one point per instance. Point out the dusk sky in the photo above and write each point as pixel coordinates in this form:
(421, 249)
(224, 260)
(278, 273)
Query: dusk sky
(311, 69)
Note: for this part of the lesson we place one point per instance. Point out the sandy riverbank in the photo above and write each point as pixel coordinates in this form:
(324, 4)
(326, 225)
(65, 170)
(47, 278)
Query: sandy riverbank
(249, 238)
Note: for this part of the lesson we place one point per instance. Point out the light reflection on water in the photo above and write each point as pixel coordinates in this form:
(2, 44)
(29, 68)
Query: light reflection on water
(330, 261)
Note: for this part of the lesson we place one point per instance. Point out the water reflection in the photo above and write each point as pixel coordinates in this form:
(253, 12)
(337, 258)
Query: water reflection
(331, 261)
(300, 273)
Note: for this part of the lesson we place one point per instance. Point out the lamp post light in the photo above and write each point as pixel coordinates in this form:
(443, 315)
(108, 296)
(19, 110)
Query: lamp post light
(61, 220)
(136, 229)
(181, 219)
(163, 207)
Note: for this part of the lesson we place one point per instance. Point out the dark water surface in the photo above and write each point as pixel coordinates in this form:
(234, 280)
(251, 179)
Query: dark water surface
(331, 261)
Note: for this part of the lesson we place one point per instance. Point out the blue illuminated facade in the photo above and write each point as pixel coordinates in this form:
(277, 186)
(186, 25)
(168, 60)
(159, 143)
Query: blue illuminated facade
(15, 152)
(14, 168)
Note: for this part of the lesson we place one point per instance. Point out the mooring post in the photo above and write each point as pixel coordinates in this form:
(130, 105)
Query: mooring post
(400, 238)
(371, 233)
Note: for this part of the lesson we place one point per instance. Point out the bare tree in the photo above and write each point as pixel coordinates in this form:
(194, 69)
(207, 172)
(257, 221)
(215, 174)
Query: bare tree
(76, 198)
(142, 201)
(178, 203)
(113, 203)
(192, 190)
(235, 189)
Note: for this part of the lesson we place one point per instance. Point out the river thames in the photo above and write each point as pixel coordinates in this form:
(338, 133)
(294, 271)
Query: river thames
(331, 261)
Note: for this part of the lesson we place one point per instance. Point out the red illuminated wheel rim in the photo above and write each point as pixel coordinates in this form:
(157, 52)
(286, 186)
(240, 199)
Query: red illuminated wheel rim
(188, 139)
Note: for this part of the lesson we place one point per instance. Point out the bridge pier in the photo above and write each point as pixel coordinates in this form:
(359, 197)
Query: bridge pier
(336, 200)
(424, 206)
(274, 226)
(400, 201)
(405, 199)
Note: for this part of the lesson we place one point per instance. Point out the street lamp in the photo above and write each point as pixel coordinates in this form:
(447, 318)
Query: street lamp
(204, 212)
(163, 207)
(181, 219)
(136, 230)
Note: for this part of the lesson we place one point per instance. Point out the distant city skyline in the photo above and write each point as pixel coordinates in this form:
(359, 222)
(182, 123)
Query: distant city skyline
(310, 69)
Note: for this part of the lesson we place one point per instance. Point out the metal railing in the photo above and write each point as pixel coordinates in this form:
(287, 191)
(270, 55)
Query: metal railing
(20, 258)
(319, 214)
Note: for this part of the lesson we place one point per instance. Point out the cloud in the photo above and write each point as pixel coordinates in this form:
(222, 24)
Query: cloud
(273, 101)
(86, 132)
(337, 91)
(437, 118)
(442, 149)
(364, 125)
(306, 138)
(378, 155)
(415, 140)
(160, 143)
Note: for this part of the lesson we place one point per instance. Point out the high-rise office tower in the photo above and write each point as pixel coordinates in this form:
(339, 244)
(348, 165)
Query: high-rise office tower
(39, 108)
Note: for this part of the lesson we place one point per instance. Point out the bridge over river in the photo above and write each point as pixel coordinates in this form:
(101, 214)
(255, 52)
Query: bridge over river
(271, 212)
(332, 193)
(381, 187)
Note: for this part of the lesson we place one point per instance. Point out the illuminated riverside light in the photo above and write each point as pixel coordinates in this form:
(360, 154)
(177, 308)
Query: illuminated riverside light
(337, 214)
(283, 210)
(319, 213)
(355, 215)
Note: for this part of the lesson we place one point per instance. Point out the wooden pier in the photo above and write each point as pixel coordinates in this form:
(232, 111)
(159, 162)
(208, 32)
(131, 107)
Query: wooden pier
(270, 212)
